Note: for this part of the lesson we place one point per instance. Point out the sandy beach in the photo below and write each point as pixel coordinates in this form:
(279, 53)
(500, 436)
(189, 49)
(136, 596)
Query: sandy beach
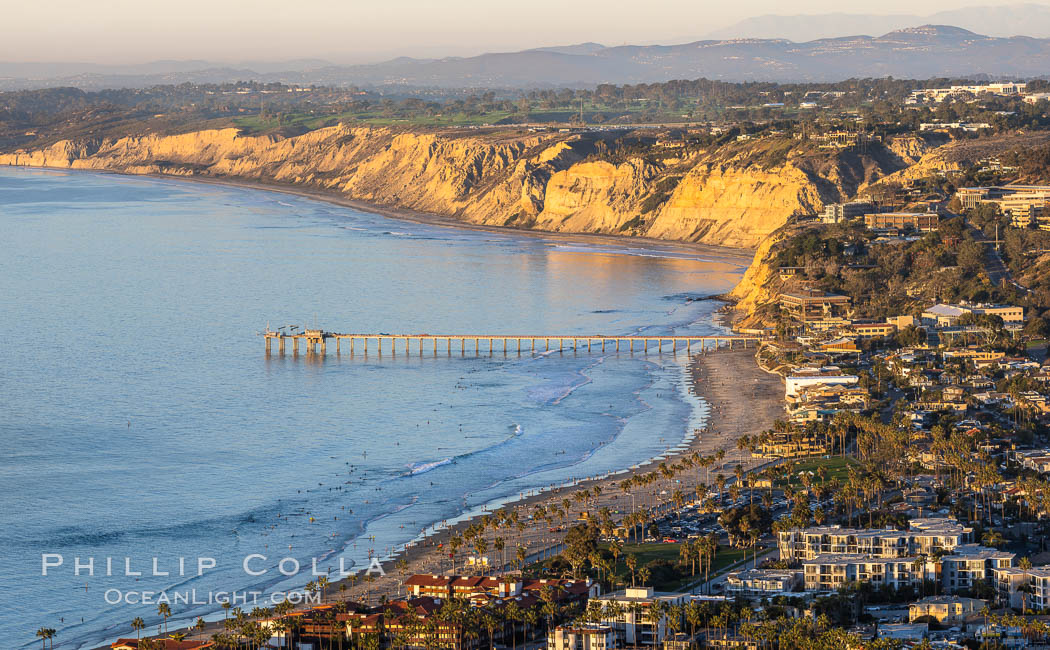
(744, 255)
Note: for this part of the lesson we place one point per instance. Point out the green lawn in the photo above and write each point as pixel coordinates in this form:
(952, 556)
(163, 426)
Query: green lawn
(647, 553)
(836, 467)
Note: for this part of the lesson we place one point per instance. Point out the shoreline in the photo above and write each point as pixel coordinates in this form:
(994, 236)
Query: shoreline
(414, 216)
(715, 377)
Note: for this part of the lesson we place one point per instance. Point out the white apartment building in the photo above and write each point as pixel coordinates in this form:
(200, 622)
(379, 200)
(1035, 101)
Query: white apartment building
(971, 564)
(581, 636)
(924, 537)
(632, 625)
(829, 572)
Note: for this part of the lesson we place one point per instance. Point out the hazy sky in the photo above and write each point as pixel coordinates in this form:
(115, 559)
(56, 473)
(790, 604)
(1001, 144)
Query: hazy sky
(133, 31)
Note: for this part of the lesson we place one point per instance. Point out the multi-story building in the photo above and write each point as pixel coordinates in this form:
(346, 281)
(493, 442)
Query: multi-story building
(971, 564)
(581, 636)
(941, 94)
(807, 305)
(832, 571)
(873, 330)
(467, 587)
(944, 315)
(630, 618)
(1008, 582)
(1025, 205)
(921, 221)
(839, 212)
(761, 583)
(924, 537)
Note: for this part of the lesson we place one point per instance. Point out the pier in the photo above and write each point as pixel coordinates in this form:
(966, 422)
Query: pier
(318, 341)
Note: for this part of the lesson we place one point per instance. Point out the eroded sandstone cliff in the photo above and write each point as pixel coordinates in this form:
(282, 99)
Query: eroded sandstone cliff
(733, 195)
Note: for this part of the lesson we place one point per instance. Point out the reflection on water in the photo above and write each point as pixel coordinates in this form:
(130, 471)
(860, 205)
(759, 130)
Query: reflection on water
(144, 417)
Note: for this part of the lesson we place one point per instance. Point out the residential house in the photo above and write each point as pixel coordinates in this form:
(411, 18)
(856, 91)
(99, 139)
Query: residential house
(945, 609)
(762, 583)
(825, 376)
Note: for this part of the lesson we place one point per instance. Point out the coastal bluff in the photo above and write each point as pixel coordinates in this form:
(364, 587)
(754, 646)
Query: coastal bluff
(734, 194)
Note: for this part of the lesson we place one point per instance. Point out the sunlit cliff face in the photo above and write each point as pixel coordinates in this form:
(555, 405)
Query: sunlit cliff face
(538, 181)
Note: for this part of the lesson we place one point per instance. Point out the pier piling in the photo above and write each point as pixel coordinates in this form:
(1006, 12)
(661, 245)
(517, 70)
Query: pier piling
(316, 342)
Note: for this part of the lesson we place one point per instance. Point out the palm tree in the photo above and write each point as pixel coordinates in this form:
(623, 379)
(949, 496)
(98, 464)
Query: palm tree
(1025, 565)
(44, 634)
(654, 615)
(674, 619)
(199, 627)
(919, 567)
(616, 548)
(164, 610)
(499, 544)
(512, 613)
(454, 543)
(694, 616)
(138, 624)
(489, 622)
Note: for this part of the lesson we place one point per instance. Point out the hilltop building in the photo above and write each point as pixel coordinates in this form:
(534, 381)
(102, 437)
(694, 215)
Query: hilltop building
(839, 212)
(920, 221)
(1025, 205)
(811, 306)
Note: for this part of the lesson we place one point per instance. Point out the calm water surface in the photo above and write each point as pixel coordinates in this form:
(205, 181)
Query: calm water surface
(140, 417)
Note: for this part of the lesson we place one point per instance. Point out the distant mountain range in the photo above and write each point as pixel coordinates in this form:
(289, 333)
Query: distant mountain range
(1011, 20)
(915, 52)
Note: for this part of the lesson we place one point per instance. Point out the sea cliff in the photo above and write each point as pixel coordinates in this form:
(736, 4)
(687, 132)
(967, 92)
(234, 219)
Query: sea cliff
(734, 194)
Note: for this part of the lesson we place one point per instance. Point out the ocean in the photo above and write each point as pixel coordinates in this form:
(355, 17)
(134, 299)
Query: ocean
(142, 422)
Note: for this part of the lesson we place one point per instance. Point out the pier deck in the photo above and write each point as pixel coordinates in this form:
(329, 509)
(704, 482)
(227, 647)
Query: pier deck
(316, 342)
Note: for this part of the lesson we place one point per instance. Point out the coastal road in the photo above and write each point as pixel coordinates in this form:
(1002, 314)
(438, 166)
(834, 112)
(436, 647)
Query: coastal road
(997, 272)
(993, 262)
